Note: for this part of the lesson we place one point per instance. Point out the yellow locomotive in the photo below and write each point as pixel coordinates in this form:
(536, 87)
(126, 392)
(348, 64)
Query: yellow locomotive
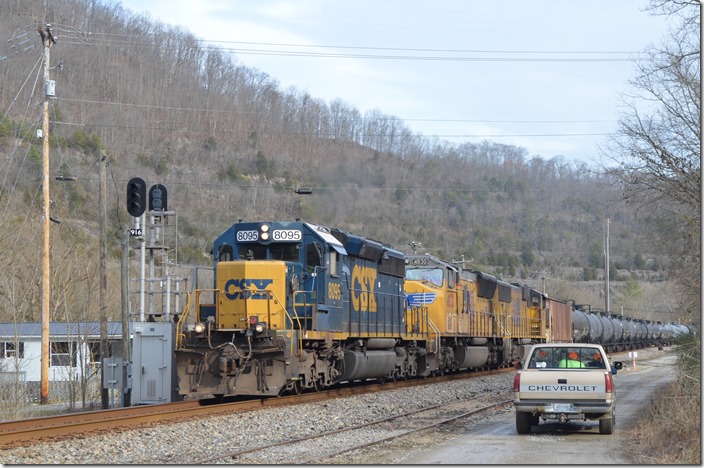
(474, 319)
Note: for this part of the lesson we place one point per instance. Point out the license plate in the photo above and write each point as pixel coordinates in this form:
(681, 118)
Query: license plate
(562, 407)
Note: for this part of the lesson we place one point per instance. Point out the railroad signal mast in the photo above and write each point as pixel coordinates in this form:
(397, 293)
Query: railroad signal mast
(160, 293)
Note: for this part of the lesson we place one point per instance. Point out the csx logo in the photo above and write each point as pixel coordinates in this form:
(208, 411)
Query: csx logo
(237, 289)
(363, 279)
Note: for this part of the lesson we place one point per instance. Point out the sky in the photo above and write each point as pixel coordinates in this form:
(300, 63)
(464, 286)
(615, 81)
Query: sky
(546, 75)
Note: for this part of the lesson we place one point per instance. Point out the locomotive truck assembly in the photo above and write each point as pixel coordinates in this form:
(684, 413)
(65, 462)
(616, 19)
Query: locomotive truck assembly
(298, 306)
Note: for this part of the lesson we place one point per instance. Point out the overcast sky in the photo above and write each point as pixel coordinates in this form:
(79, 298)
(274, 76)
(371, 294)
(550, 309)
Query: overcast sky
(542, 74)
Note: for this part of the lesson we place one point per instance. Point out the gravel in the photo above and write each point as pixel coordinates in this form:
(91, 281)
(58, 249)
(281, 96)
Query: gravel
(194, 441)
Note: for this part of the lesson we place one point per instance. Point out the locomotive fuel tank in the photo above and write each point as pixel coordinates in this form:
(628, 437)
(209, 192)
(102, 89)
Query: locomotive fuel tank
(471, 356)
(368, 365)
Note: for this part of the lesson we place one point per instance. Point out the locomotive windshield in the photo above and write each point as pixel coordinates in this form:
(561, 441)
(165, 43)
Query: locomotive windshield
(288, 252)
(431, 275)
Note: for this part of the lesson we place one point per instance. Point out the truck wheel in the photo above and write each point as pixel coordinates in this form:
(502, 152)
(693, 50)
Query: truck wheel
(606, 426)
(523, 422)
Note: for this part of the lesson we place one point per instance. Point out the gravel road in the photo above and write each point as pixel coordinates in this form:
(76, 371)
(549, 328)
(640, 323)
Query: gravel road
(494, 440)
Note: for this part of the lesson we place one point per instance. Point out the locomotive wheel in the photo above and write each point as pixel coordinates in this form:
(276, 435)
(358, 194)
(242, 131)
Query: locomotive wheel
(297, 387)
(317, 385)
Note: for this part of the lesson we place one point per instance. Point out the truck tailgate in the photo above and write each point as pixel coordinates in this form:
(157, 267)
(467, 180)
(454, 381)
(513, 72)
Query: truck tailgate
(554, 384)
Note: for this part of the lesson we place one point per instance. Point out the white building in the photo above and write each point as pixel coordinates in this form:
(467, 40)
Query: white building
(74, 353)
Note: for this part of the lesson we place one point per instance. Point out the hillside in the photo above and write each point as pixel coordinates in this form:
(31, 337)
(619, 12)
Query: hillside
(230, 144)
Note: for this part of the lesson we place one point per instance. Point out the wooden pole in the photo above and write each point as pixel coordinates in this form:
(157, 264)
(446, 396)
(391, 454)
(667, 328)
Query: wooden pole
(104, 351)
(48, 40)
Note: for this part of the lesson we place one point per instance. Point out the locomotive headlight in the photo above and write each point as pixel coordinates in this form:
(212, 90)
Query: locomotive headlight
(199, 327)
(264, 228)
(259, 327)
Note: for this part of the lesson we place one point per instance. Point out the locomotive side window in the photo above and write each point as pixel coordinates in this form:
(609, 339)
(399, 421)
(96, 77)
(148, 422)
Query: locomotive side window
(451, 279)
(314, 256)
(333, 262)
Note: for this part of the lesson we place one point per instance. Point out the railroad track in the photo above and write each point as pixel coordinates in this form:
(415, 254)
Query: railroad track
(375, 432)
(30, 431)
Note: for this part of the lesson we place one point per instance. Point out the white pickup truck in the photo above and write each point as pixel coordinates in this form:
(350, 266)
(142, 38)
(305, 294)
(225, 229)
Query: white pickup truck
(565, 382)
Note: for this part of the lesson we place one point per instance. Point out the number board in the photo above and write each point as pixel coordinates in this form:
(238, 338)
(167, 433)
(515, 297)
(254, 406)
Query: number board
(247, 236)
(286, 235)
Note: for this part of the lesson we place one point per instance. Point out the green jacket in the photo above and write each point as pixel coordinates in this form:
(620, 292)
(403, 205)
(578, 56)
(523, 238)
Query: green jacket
(570, 363)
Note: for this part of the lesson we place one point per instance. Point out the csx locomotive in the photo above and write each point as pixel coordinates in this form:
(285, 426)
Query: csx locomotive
(297, 306)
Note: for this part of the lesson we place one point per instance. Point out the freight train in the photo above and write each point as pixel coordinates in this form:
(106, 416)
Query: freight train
(297, 306)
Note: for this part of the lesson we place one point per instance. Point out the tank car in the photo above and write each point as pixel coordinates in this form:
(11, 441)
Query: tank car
(297, 306)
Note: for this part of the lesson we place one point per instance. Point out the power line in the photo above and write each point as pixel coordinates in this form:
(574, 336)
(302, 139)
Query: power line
(330, 135)
(361, 119)
(110, 40)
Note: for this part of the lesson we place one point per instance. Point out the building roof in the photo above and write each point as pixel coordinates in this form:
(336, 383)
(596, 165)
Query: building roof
(59, 329)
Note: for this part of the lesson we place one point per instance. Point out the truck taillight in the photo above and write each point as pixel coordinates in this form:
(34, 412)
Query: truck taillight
(517, 382)
(609, 383)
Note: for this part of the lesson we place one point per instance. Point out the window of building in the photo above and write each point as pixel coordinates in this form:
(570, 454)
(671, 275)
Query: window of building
(11, 349)
(62, 354)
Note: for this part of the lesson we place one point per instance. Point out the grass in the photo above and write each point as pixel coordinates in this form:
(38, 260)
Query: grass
(670, 431)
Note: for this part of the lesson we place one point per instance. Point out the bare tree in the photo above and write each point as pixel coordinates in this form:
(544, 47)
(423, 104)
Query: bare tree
(657, 150)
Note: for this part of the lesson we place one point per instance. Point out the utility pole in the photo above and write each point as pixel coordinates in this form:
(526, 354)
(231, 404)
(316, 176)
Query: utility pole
(103, 278)
(607, 302)
(47, 41)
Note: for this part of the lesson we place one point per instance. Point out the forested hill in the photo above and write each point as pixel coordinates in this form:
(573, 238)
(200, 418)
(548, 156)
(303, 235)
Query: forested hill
(230, 144)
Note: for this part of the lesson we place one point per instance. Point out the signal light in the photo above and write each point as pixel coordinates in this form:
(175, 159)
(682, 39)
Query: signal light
(136, 196)
(157, 198)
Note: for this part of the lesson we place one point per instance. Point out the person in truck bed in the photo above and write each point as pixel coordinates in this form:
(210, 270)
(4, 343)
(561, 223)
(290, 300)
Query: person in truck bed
(572, 360)
(596, 361)
(540, 359)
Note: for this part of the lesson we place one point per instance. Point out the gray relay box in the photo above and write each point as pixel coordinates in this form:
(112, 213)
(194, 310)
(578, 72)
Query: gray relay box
(152, 362)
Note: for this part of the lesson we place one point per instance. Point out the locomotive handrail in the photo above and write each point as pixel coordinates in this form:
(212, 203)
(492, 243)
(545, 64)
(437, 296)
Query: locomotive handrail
(436, 330)
(181, 320)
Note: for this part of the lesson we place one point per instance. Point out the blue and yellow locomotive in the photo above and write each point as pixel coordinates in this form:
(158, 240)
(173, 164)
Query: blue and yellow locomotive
(297, 306)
